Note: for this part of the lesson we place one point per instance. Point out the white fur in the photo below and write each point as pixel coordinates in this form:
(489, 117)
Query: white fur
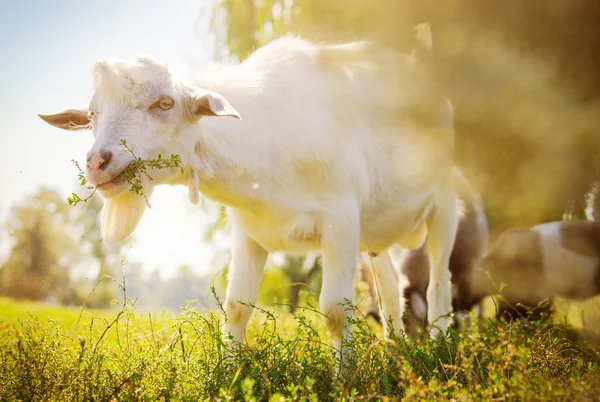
(326, 156)
(120, 216)
(419, 306)
(388, 292)
(193, 193)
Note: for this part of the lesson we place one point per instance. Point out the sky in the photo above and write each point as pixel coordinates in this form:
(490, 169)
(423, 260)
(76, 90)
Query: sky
(48, 50)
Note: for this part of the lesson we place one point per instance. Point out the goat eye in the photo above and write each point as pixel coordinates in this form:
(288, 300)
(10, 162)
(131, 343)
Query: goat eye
(164, 103)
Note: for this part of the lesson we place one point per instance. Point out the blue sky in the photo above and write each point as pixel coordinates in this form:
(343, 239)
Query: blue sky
(47, 53)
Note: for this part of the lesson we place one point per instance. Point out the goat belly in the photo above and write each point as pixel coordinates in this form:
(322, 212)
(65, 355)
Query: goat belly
(298, 234)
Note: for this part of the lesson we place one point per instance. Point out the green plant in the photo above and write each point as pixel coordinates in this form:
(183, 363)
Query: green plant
(132, 355)
(131, 175)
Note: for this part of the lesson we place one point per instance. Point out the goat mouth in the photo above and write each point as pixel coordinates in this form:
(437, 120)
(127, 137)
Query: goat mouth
(115, 181)
(113, 186)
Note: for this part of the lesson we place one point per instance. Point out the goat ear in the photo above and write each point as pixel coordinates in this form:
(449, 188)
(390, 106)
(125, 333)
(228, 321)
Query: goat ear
(212, 104)
(71, 119)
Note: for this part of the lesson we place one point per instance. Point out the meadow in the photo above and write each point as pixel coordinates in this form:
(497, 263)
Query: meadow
(69, 354)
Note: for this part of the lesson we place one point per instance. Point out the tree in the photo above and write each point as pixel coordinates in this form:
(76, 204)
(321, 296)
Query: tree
(50, 241)
(521, 75)
(43, 249)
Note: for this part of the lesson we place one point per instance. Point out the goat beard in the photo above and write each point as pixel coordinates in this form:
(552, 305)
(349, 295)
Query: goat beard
(120, 216)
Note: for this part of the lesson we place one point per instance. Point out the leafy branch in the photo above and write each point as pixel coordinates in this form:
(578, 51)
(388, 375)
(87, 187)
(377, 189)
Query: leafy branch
(75, 199)
(132, 174)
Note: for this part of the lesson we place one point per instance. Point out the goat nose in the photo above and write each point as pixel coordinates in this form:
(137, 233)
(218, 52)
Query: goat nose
(99, 160)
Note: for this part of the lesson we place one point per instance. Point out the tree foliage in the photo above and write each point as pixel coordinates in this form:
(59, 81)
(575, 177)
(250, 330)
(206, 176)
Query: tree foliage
(51, 241)
(522, 76)
(42, 250)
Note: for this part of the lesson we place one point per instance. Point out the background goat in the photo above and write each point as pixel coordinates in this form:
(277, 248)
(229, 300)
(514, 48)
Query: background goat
(343, 148)
(529, 266)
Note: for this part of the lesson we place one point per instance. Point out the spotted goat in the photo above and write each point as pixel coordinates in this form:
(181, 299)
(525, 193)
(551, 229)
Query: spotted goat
(528, 267)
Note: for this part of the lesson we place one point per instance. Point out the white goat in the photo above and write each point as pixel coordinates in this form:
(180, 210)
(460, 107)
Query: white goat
(341, 148)
(531, 265)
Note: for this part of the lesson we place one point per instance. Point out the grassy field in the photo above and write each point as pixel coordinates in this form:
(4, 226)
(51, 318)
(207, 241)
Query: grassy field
(63, 354)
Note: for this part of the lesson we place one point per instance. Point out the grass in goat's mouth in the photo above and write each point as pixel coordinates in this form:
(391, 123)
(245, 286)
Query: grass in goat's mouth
(132, 174)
